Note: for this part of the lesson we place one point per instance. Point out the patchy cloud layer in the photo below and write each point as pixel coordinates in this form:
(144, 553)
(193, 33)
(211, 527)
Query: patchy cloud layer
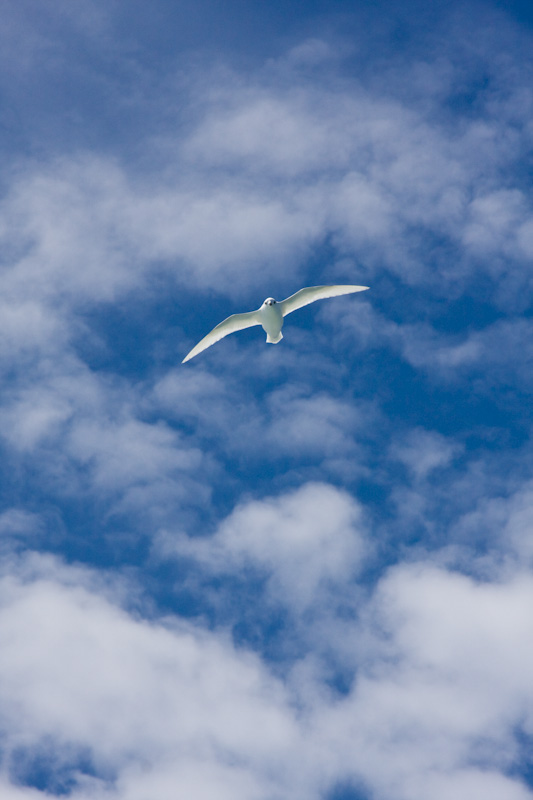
(107, 704)
(301, 571)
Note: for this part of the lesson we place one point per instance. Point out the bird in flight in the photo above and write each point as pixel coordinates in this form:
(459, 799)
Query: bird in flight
(270, 315)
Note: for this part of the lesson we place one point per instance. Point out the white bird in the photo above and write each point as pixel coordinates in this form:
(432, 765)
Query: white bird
(270, 315)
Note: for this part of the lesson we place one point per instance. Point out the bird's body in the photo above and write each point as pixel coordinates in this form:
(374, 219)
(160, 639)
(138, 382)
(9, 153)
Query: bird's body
(270, 315)
(271, 320)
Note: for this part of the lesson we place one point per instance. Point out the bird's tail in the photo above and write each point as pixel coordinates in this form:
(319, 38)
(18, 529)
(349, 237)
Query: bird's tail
(277, 339)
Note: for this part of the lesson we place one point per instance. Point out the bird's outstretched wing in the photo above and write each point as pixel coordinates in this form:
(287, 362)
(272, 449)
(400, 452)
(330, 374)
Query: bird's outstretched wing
(237, 322)
(312, 293)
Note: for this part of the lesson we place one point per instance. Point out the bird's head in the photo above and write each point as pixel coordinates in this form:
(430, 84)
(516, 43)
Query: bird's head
(269, 302)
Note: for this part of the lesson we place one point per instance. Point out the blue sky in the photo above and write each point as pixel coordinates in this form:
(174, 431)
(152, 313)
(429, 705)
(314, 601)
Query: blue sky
(299, 571)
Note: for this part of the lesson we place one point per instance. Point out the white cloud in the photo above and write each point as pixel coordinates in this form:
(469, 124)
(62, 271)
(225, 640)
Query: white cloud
(83, 432)
(31, 43)
(372, 172)
(505, 519)
(289, 424)
(518, 530)
(443, 682)
(420, 498)
(156, 704)
(440, 696)
(494, 219)
(441, 663)
(424, 451)
(10, 792)
(67, 225)
(129, 451)
(19, 527)
(313, 425)
(307, 542)
(497, 354)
